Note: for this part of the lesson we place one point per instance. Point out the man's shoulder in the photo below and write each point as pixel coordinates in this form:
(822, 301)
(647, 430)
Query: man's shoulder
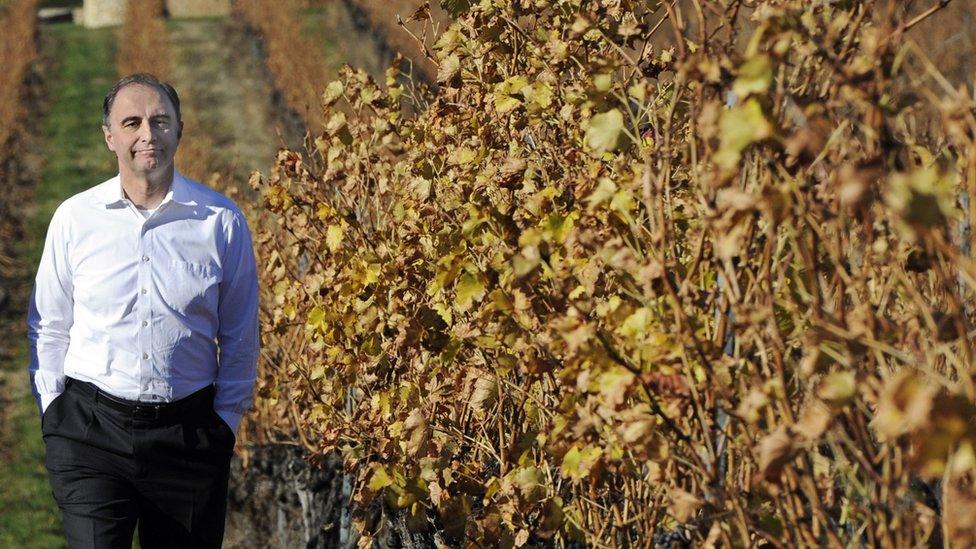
(211, 198)
(98, 191)
(91, 195)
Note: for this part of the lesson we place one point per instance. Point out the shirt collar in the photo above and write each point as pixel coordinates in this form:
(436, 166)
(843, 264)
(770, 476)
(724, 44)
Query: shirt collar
(179, 191)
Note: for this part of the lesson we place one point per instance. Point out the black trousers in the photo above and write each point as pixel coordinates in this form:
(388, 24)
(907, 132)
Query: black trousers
(111, 468)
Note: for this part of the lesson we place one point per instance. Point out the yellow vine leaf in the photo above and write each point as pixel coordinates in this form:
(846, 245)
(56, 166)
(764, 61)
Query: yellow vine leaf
(380, 479)
(740, 127)
(604, 132)
(316, 318)
(636, 325)
(333, 236)
(577, 463)
(755, 76)
(470, 288)
(448, 68)
(332, 92)
(613, 385)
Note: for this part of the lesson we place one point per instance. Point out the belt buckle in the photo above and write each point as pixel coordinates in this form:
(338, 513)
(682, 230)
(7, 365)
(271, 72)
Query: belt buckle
(146, 411)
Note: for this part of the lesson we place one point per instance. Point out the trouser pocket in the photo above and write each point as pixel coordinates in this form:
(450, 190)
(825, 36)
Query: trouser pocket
(52, 416)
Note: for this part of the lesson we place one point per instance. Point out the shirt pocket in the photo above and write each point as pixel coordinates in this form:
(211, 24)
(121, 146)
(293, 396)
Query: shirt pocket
(191, 289)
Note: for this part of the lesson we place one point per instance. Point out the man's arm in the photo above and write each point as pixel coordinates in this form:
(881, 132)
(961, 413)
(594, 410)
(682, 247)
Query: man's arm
(238, 335)
(50, 314)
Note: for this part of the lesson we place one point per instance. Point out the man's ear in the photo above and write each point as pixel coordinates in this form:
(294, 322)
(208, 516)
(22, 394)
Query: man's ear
(108, 138)
(179, 132)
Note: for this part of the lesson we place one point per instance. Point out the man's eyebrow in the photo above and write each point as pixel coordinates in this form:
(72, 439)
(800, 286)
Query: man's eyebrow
(135, 118)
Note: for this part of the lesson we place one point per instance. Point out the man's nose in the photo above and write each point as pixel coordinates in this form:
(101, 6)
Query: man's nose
(146, 132)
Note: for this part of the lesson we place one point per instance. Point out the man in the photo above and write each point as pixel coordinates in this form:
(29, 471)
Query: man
(144, 338)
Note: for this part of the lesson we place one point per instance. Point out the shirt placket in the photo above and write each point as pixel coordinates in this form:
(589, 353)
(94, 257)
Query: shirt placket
(146, 261)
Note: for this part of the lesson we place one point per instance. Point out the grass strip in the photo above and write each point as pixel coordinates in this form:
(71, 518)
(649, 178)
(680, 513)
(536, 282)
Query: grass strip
(73, 155)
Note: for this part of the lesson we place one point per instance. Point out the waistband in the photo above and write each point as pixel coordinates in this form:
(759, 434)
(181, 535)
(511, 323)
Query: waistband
(142, 410)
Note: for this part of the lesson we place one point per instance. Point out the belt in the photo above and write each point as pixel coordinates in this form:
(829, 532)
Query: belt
(143, 410)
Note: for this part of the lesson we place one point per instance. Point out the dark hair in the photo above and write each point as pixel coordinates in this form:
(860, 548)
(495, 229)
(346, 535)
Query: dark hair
(145, 79)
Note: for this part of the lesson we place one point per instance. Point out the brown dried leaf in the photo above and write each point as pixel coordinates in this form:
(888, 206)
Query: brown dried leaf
(838, 388)
(684, 505)
(775, 451)
(417, 432)
(904, 404)
(484, 393)
(813, 421)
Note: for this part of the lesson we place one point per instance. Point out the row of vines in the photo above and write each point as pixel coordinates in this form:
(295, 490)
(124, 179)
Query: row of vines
(637, 271)
(279, 28)
(407, 31)
(18, 52)
(301, 77)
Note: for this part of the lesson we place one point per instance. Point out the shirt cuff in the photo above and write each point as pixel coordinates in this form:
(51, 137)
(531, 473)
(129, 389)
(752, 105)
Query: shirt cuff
(231, 419)
(47, 399)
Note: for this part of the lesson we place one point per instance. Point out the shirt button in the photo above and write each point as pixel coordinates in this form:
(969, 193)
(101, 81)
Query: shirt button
(145, 258)
(144, 323)
(145, 355)
(145, 290)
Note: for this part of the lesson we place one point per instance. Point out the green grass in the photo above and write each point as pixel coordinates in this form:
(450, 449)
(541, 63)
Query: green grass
(74, 157)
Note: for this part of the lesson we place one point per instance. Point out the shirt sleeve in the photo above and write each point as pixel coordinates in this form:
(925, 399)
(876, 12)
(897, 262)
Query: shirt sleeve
(50, 313)
(238, 334)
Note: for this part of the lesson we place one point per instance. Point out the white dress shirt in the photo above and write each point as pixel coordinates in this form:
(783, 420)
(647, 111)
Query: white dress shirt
(148, 306)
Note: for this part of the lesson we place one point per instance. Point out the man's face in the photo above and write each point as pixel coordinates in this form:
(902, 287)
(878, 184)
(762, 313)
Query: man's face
(142, 131)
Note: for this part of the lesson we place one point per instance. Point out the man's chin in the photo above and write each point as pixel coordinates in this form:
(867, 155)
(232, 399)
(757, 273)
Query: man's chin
(151, 170)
